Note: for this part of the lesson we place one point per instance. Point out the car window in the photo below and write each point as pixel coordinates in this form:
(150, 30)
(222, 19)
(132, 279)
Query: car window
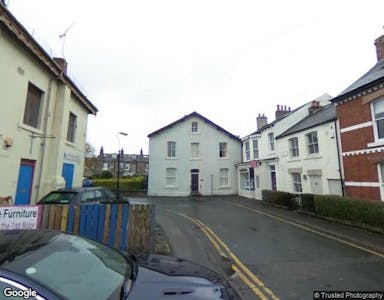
(87, 196)
(58, 197)
(110, 195)
(99, 196)
(87, 269)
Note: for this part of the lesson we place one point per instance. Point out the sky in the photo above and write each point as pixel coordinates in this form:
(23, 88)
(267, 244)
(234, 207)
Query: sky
(145, 64)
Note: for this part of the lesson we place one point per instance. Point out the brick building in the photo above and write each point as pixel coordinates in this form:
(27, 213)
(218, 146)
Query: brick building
(360, 110)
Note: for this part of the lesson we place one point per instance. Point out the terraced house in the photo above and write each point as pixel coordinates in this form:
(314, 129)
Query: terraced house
(43, 117)
(360, 110)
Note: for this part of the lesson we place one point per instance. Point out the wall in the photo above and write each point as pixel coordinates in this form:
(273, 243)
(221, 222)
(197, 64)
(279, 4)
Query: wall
(208, 162)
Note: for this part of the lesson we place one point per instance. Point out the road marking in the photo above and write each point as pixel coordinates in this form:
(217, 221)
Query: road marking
(308, 229)
(253, 282)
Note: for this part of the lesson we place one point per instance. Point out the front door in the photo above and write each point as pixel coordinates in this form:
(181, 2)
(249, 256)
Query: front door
(194, 182)
(67, 173)
(273, 177)
(24, 182)
(316, 185)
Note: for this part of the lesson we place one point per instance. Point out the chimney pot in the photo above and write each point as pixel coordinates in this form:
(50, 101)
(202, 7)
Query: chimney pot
(379, 43)
(62, 63)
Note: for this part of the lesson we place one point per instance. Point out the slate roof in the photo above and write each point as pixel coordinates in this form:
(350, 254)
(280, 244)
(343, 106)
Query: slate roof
(325, 115)
(196, 115)
(369, 79)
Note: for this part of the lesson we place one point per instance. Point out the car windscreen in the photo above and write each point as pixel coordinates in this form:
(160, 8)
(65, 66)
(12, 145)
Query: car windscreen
(59, 197)
(75, 268)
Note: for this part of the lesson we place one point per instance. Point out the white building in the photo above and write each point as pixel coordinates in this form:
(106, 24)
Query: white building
(193, 156)
(261, 153)
(309, 160)
(43, 117)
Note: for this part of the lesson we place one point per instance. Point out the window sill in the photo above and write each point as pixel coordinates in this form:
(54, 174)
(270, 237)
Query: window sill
(313, 156)
(70, 144)
(376, 143)
(171, 187)
(294, 160)
(171, 158)
(195, 159)
(29, 128)
(227, 187)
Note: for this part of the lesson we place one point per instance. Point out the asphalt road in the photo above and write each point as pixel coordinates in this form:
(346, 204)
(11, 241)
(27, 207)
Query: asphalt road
(289, 261)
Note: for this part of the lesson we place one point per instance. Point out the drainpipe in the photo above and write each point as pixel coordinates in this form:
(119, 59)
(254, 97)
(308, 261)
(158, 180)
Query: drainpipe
(45, 131)
(338, 159)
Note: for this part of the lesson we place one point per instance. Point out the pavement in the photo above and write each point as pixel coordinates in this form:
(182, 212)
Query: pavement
(360, 237)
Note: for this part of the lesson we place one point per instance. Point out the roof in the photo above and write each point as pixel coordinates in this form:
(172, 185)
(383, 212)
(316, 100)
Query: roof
(194, 115)
(325, 115)
(20, 34)
(373, 77)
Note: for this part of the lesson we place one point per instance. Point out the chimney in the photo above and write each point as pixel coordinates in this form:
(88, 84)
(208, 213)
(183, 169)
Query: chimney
(314, 107)
(379, 43)
(62, 63)
(281, 111)
(261, 121)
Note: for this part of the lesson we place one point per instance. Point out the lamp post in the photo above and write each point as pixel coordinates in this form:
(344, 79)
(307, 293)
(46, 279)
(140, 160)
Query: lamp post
(118, 162)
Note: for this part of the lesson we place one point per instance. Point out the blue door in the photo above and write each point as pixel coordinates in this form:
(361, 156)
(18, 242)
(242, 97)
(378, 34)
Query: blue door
(68, 174)
(24, 183)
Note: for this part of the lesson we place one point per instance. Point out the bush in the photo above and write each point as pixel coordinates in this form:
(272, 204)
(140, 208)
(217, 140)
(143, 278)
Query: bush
(280, 198)
(307, 202)
(350, 209)
(126, 184)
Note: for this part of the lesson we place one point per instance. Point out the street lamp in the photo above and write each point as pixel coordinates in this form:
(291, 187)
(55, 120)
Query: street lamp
(118, 162)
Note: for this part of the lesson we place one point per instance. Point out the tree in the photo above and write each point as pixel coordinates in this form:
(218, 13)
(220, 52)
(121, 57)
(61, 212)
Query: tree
(89, 150)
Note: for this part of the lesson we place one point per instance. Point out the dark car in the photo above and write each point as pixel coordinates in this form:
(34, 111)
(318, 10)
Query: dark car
(80, 195)
(55, 265)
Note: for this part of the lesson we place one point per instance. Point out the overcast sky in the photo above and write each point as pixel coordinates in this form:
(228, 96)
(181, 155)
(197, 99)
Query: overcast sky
(147, 63)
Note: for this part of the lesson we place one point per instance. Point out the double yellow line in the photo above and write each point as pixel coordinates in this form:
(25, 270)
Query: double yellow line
(250, 279)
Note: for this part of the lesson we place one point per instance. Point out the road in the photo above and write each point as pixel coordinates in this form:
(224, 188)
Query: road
(275, 259)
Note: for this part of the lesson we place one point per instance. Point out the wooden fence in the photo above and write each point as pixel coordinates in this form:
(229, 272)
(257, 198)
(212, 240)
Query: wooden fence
(128, 228)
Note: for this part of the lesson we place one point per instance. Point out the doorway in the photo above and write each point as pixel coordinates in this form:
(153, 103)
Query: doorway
(194, 181)
(24, 182)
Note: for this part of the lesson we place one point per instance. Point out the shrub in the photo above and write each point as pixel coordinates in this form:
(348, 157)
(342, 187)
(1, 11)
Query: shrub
(126, 184)
(350, 209)
(307, 202)
(280, 198)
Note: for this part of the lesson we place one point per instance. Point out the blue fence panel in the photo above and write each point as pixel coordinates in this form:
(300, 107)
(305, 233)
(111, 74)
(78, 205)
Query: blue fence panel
(100, 225)
(124, 228)
(71, 218)
(112, 225)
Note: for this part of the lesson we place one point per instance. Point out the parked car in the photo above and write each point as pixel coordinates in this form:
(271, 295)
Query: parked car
(56, 265)
(81, 195)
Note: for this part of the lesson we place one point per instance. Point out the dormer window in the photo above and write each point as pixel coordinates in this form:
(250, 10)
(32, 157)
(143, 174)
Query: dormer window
(195, 127)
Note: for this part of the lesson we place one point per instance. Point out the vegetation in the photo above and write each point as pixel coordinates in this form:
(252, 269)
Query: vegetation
(137, 183)
(354, 211)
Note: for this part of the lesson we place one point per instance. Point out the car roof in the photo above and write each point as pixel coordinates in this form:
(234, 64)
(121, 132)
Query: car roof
(77, 189)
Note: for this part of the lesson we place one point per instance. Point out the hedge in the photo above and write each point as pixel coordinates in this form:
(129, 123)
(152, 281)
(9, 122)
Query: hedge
(280, 198)
(354, 210)
(138, 183)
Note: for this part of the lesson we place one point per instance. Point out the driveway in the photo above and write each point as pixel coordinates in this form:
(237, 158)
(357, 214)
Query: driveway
(268, 252)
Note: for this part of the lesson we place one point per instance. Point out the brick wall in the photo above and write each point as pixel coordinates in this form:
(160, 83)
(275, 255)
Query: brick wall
(362, 168)
(357, 139)
(353, 112)
(368, 193)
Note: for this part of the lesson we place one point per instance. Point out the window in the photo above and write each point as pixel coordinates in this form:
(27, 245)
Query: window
(247, 151)
(255, 144)
(294, 146)
(195, 127)
(33, 106)
(313, 142)
(223, 150)
(72, 124)
(224, 181)
(296, 178)
(271, 141)
(195, 150)
(378, 111)
(171, 176)
(171, 149)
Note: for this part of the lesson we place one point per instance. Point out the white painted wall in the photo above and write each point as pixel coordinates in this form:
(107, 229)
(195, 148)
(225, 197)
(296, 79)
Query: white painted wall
(208, 163)
(18, 68)
(326, 161)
